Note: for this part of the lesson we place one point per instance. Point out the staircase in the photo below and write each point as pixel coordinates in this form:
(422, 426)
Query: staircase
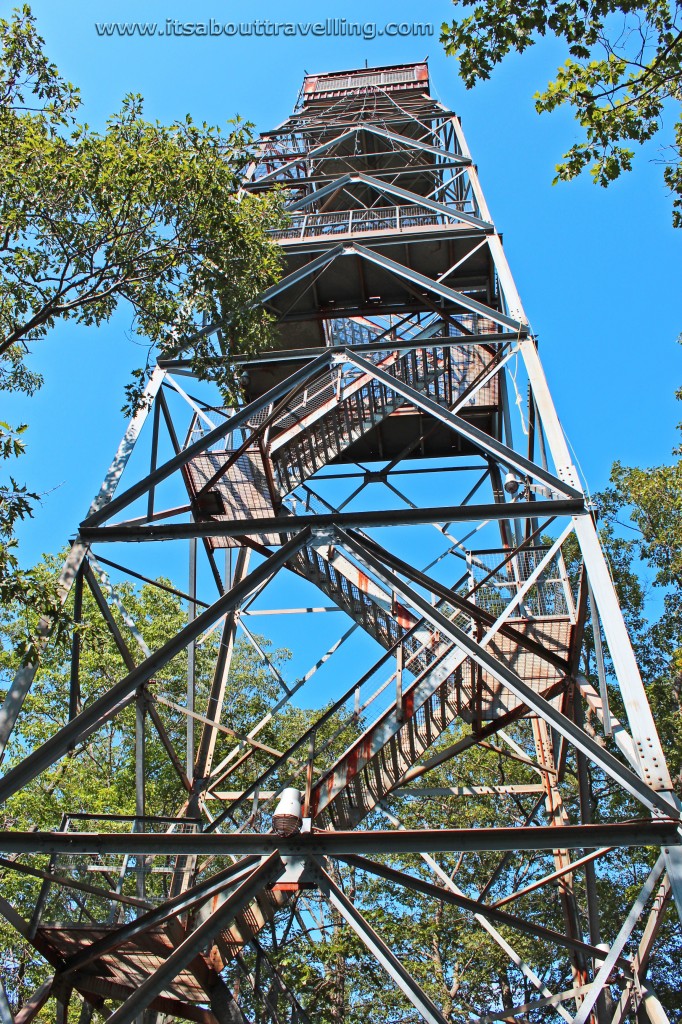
(445, 684)
(326, 419)
(334, 415)
(337, 409)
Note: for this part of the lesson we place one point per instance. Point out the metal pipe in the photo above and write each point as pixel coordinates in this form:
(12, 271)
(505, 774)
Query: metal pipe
(390, 963)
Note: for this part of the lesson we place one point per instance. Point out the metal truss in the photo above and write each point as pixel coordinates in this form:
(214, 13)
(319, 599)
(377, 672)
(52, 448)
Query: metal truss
(384, 456)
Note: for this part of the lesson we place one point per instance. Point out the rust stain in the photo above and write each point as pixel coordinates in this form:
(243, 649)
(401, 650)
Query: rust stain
(363, 582)
(402, 616)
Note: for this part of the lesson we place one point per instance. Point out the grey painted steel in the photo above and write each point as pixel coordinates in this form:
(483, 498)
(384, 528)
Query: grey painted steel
(507, 456)
(645, 832)
(619, 942)
(621, 736)
(191, 656)
(469, 607)
(390, 963)
(122, 693)
(23, 679)
(378, 734)
(647, 742)
(140, 999)
(403, 140)
(641, 959)
(437, 892)
(599, 658)
(462, 161)
(294, 355)
(634, 785)
(5, 1012)
(397, 269)
(553, 1001)
(388, 188)
(484, 923)
(649, 781)
(240, 419)
(216, 695)
(436, 287)
(294, 524)
(640, 717)
(300, 275)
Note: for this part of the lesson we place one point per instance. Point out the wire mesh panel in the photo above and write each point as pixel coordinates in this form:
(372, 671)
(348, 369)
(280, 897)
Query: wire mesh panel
(497, 579)
(242, 492)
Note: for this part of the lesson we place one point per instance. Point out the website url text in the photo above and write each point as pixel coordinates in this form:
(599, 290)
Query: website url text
(330, 27)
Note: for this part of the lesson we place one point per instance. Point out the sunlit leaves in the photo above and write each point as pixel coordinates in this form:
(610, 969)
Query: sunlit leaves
(143, 214)
(624, 67)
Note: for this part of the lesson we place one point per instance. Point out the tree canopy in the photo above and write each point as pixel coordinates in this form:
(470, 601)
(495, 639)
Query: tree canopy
(142, 213)
(622, 74)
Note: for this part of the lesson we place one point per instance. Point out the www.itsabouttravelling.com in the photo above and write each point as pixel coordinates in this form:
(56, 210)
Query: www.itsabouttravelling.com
(330, 27)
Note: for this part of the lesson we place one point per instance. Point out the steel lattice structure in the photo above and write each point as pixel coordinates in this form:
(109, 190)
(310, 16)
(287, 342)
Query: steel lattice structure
(402, 354)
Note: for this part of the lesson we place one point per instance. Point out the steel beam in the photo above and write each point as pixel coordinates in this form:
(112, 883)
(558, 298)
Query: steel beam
(110, 703)
(484, 442)
(632, 783)
(390, 963)
(647, 741)
(614, 952)
(73, 883)
(5, 1011)
(644, 832)
(169, 910)
(301, 273)
(402, 140)
(388, 188)
(214, 705)
(425, 150)
(437, 287)
(196, 941)
(437, 892)
(304, 355)
(487, 925)
(286, 525)
(24, 677)
(35, 1003)
(630, 995)
(238, 421)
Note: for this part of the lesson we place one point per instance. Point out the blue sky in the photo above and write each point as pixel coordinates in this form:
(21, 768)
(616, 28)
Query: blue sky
(598, 270)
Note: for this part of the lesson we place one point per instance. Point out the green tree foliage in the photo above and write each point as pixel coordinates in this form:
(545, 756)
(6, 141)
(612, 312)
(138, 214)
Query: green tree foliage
(460, 965)
(652, 498)
(318, 956)
(453, 959)
(142, 213)
(444, 948)
(31, 588)
(621, 76)
(98, 776)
